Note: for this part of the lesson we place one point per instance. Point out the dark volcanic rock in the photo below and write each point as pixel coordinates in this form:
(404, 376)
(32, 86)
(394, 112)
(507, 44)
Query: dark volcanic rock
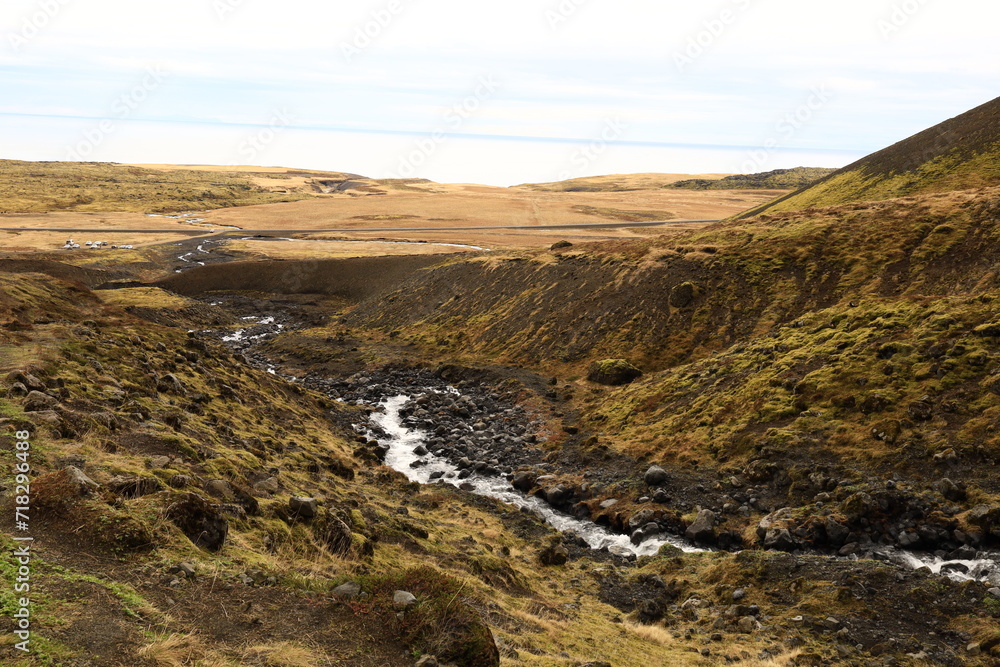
(655, 476)
(780, 539)
(682, 295)
(202, 522)
(702, 529)
(613, 372)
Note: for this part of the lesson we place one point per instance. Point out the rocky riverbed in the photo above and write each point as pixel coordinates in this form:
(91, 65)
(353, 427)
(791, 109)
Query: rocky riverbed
(475, 427)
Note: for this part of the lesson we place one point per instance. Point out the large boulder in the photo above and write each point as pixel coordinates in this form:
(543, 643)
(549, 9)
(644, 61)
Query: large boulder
(640, 518)
(203, 523)
(613, 372)
(836, 532)
(778, 518)
(523, 481)
(334, 533)
(38, 402)
(780, 539)
(986, 517)
(558, 495)
(702, 529)
(655, 476)
(555, 554)
(302, 507)
(682, 295)
(29, 381)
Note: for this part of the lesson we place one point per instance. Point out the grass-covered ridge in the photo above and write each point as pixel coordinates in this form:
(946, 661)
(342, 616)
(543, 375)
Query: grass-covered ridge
(958, 154)
(155, 416)
(778, 179)
(35, 187)
(666, 300)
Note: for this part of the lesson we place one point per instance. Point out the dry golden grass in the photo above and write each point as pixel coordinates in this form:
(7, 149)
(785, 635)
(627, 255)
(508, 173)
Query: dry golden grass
(151, 297)
(343, 201)
(283, 654)
(323, 249)
(180, 650)
(653, 633)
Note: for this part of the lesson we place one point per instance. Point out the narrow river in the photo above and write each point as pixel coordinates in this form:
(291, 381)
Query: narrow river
(407, 453)
(402, 443)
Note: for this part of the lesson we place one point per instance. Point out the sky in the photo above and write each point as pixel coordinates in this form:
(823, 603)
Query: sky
(494, 93)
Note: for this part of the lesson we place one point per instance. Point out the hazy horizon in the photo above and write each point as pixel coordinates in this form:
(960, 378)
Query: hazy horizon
(493, 95)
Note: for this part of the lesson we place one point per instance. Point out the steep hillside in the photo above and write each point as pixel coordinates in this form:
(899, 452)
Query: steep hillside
(960, 153)
(187, 509)
(779, 179)
(669, 299)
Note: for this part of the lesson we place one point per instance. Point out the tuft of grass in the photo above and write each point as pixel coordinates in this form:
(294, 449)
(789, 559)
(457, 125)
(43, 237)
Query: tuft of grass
(282, 654)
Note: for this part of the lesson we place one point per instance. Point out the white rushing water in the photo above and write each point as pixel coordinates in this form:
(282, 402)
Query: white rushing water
(241, 334)
(402, 442)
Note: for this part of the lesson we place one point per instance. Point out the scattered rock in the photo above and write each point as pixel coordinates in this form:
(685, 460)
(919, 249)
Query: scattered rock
(554, 555)
(203, 523)
(169, 384)
(220, 488)
(780, 539)
(159, 461)
(349, 590)
(269, 485)
(84, 485)
(303, 507)
(180, 481)
(335, 534)
(613, 372)
(134, 487)
(702, 529)
(38, 401)
(682, 295)
(655, 476)
(403, 599)
(920, 410)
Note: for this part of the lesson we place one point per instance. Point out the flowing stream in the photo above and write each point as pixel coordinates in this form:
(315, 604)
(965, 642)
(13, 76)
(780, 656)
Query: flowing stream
(406, 453)
(401, 456)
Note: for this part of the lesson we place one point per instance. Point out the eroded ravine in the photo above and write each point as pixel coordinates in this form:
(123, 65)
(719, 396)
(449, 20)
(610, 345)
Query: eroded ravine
(410, 442)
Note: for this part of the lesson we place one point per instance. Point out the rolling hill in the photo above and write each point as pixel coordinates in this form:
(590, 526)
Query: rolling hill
(958, 154)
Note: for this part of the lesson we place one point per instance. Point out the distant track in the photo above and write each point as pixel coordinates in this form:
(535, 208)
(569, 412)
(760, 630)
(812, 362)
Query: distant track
(345, 230)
